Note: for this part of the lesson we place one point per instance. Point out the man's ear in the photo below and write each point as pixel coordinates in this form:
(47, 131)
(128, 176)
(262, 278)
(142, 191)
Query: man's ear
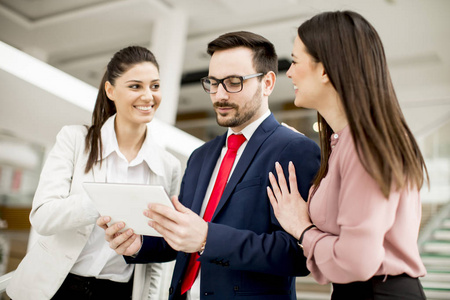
(109, 90)
(269, 83)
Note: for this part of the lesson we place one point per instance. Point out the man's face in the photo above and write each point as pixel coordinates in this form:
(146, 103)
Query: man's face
(236, 110)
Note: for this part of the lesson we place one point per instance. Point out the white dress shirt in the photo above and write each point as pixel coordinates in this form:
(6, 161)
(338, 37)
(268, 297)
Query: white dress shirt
(97, 259)
(194, 292)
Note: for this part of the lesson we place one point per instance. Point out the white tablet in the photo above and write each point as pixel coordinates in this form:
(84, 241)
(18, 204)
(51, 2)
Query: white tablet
(126, 203)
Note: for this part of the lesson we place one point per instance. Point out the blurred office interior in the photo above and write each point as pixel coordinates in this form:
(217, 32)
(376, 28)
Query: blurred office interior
(53, 54)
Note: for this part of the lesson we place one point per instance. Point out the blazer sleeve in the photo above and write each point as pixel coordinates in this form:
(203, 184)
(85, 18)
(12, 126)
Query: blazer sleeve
(153, 250)
(275, 252)
(56, 207)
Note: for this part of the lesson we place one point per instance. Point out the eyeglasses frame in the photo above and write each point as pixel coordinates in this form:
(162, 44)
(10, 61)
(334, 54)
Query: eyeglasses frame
(220, 81)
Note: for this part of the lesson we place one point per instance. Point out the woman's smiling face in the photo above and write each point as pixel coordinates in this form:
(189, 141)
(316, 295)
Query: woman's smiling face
(136, 93)
(306, 75)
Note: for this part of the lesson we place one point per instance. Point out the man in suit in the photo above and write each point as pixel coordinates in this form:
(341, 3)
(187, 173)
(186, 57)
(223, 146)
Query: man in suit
(240, 250)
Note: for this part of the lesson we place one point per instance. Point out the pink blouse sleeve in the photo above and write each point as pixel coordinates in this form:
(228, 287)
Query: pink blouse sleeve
(364, 216)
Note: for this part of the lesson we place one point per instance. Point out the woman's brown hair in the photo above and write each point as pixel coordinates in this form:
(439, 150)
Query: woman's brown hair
(353, 57)
(104, 108)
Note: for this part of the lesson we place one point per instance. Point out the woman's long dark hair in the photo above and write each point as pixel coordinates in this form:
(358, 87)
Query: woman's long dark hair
(353, 57)
(104, 108)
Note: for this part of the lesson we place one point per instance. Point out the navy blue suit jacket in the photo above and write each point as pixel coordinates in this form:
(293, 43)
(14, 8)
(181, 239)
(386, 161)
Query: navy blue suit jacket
(248, 255)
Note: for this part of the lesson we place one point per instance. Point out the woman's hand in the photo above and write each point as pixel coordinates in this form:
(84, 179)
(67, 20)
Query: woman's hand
(124, 243)
(289, 207)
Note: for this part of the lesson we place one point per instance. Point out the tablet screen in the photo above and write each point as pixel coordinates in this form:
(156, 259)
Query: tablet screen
(127, 202)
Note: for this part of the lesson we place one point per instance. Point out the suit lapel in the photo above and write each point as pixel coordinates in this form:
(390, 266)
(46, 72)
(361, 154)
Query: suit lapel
(259, 136)
(207, 168)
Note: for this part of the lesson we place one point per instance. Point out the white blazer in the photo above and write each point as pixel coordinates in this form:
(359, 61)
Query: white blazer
(64, 216)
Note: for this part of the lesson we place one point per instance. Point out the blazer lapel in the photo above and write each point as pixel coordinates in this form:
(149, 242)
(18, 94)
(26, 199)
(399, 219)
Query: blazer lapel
(259, 136)
(207, 168)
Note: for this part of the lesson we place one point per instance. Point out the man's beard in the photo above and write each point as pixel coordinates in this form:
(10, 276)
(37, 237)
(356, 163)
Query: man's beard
(241, 116)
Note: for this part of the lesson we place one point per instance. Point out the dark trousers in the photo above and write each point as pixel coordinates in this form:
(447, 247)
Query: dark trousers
(393, 288)
(77, 287)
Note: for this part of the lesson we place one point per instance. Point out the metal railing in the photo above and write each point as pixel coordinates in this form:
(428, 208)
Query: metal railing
(4, 280)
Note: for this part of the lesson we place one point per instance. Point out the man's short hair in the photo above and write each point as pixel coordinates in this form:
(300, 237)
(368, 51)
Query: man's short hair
(265, 58)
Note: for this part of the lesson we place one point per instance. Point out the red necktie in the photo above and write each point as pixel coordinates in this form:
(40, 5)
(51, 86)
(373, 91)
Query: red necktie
(234, 142)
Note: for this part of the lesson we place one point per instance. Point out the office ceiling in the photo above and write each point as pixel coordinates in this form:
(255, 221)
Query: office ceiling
(80, 36)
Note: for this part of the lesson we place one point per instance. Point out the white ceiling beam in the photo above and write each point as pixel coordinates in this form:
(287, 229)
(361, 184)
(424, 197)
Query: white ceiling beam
(80, 13)
(47, 77)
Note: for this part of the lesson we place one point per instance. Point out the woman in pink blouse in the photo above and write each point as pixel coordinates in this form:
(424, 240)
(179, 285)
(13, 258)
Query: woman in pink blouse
(360, 226)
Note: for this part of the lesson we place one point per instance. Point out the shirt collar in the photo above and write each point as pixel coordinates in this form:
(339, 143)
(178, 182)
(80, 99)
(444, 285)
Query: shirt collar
(336, 136)
(151, 153)
(109, 140)
(250, 128)
(148, 153)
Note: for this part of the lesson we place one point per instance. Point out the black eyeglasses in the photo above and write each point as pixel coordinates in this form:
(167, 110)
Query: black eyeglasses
(231, 84)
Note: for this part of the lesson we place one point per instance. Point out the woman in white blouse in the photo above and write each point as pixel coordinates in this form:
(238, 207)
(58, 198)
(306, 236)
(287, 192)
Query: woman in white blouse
(71, 259)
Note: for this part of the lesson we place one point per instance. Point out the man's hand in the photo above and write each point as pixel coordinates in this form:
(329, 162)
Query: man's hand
(183, 229)
(124, 243)
(291, 128)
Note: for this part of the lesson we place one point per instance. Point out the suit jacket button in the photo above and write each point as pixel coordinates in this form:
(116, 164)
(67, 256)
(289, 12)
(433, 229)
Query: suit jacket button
(171, 291)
